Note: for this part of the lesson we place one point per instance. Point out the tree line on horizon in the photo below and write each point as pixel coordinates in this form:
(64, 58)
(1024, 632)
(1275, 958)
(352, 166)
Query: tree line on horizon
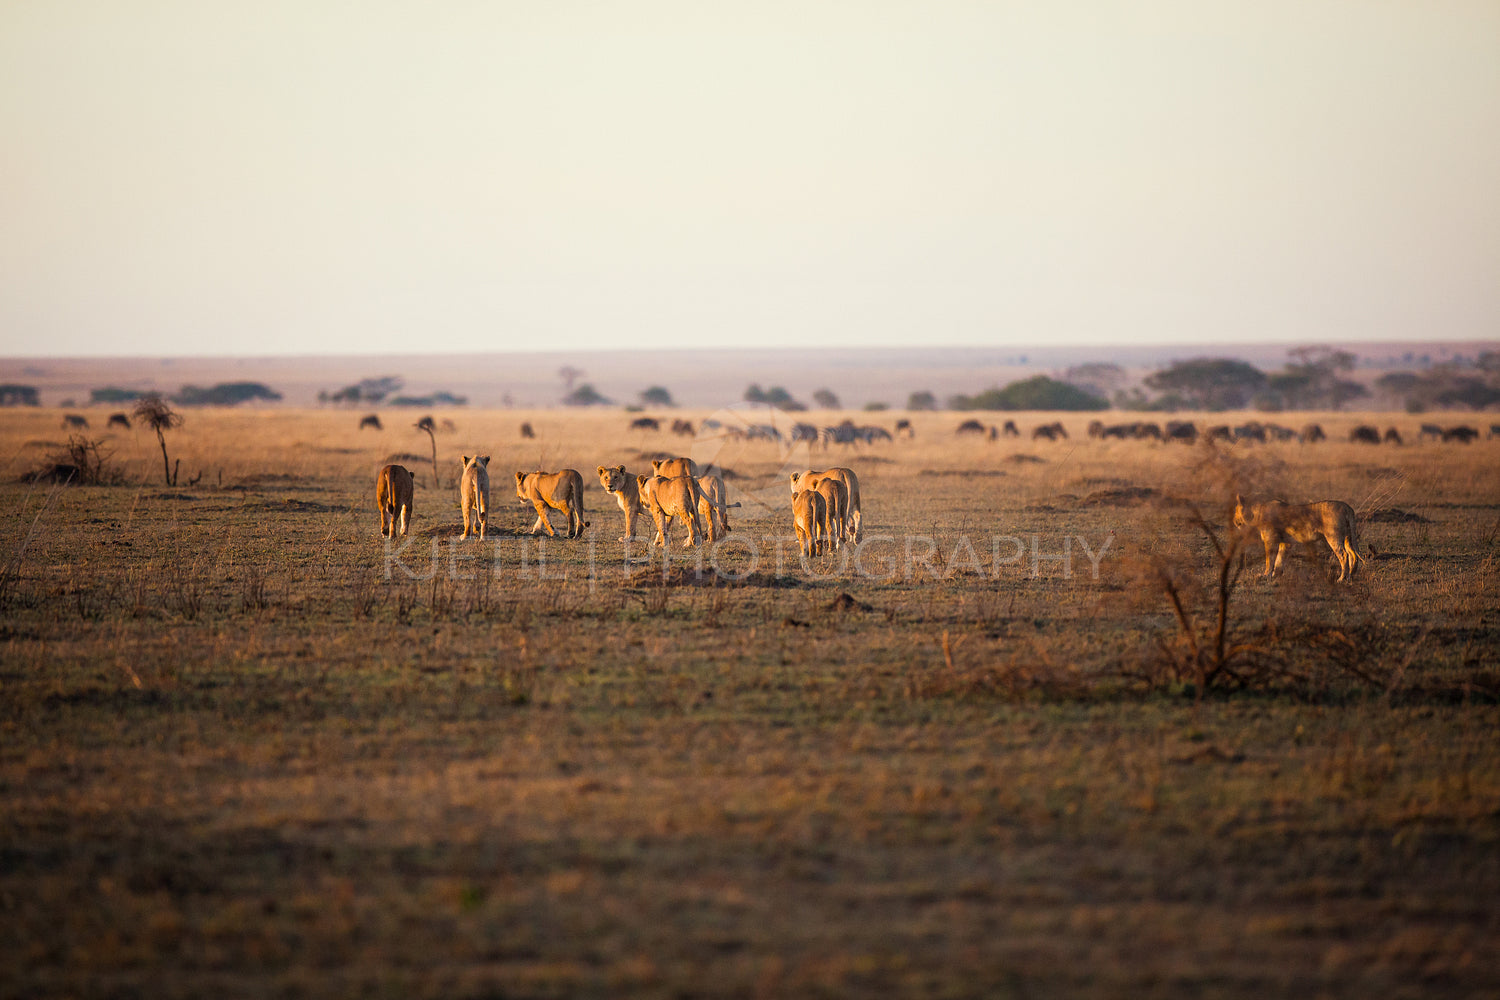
(1313, 378)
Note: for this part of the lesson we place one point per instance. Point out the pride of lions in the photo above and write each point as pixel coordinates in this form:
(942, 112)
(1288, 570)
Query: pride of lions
(825, 508)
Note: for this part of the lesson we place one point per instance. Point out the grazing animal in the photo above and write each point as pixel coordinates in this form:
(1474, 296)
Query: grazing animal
(118, 420)
(809, 480)
(645, 424)
(1430, 431)
(1253, 431)
(1494, 431)
(1392, 436)
(393, 496)
(527, 432)
(804, 432)
(672, 496)
(1464, 435)
(1010, 429)
(904, 429)
(1279, 432)
(671, 467)
(1365, 434)
(1219, 432)
(970, 427)
(73, 421)
(626, 490)
(372, 420)
(683, 427)
(809, 514)
(1312, 433)
(712, 507)
(1181, 430)
(1051, 432)
(836, 511)
(560, 491)
(474, 492)
(1280, 523)
(1096, 429)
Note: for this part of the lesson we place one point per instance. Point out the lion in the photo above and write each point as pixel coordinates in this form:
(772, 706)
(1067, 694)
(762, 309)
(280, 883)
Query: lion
(836, 511)
(670, 467)
(801, 481)
(393, 495)
(669, 497)
(1279, 523)
(474, 492)
(626, 490)
(809, 518)
(712, 507)
(562, 491)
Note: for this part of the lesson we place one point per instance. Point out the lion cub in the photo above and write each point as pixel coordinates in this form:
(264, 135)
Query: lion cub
(1278, 523)
(393, 494)
(474, 492)
(809, 519)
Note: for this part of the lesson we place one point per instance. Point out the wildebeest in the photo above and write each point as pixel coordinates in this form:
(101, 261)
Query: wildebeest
(1463, 435)
(970, 427)
(119, 420)
(1096, 428)
(1312, 433)
(1181, 430)
(1365, 434)
(1392, 436)
(1253, 431)
(1219, 432)
(1051, 431)
(1494, 431)
(73, 421)
(1430, 431)
(372, 420)
(1279, 432)
(527, 432)
(1010, 429)
(903, 429)
(645, 424)
(683, 427)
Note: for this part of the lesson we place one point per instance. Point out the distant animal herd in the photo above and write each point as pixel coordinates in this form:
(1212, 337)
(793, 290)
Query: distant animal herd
(825, 505)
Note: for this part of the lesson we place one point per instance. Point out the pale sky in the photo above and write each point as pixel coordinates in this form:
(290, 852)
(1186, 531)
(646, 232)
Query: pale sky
(182, 177)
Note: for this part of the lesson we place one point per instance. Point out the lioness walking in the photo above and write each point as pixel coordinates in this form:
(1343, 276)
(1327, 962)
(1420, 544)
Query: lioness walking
(1280, 523)
(474, 492)
(560, 491)
(393, 494)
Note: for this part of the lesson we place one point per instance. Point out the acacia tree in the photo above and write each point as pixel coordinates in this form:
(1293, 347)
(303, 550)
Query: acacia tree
(826, 399)
(427, 424)
(160, 418)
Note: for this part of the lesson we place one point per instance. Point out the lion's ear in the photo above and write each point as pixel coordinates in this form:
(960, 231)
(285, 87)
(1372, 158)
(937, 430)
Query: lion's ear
(600, 470)
(520, 478)
(620, 469)
(464, 461)
(483, 460)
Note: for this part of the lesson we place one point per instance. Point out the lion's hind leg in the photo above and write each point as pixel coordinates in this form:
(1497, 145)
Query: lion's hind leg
(542, 521)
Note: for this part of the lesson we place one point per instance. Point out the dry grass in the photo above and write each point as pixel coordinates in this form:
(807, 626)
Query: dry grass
(245, 752)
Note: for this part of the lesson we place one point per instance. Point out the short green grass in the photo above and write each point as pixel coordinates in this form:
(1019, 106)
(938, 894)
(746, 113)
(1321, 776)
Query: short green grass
(236, 758)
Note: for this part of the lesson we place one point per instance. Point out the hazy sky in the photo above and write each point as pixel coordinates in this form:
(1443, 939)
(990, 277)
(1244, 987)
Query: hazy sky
(199, 177)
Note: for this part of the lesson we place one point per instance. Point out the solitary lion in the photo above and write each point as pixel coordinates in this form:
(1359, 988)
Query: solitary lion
(809, 518)
(393, 494)
(561, 491)
(666, 498)
(1279, 523)
(809, 481)
(626, 490)
(474, 492)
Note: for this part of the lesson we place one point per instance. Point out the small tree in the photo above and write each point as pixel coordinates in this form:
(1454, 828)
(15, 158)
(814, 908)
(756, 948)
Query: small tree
(160, 418)
(826, 399)
(923, 400)
(426, 424)
(585, 395)
(657, 396)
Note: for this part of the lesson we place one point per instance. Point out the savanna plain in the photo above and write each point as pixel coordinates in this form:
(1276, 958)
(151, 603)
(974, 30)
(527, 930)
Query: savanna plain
(1044, 732)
